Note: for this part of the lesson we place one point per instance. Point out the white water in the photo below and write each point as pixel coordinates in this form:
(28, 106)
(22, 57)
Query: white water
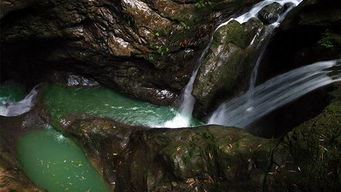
(17, 108)
(275, 93)
(183, 118)
(187, 101)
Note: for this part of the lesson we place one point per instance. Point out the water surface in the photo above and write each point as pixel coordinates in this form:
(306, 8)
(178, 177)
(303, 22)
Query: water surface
(104, 102)
(56, 163)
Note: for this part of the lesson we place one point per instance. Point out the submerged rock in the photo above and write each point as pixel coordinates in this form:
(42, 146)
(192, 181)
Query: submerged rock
(270, 13)
(229, 61)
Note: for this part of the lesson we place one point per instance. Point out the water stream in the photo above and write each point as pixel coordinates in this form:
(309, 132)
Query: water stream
(15, 108)
(276, 92)
(187, 101)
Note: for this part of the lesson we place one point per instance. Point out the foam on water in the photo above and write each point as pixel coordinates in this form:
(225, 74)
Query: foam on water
(10, 109)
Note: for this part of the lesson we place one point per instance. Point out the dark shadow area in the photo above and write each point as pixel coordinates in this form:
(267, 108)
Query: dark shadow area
(284, 119)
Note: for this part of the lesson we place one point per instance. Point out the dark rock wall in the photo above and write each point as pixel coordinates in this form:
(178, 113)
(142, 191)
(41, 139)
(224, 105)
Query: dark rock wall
(139, 47)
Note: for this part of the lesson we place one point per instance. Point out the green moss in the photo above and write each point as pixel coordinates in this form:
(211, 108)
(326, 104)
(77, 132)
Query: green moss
(203, 4)
(161, 49)
(326, 40)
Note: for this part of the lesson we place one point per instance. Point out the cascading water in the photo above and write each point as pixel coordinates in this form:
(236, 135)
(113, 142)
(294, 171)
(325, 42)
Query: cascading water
(183, 118)
(276, 92)
(187, 100)
(17, 108)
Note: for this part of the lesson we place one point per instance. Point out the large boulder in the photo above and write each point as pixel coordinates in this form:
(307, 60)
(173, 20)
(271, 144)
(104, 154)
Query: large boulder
(139, 47)
(227, 66)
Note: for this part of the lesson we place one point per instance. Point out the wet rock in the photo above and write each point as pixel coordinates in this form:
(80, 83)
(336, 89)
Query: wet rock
(311, 32)
(270, 13)
(139, 47)
(7, 6)
(215, 158)
(228, 62)
(12, 177)
(310, 153)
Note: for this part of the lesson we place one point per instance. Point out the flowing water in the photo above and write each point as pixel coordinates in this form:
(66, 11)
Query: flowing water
(11, 107)
(276, 92)
(104, 102)
(187, 101)
(10, 93)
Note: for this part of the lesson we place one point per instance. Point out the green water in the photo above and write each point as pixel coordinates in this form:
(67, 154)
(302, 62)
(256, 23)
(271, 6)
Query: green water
(105, 102)
(11, 93)
(56, 163)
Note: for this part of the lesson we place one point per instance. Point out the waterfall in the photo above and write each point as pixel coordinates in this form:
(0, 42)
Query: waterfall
(187, 101)
(276, 92)
(17, 108)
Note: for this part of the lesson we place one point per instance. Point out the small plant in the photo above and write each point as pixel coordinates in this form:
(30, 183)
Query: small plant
(326, 40)
(161, 49)
(184, 25)
(203, 4)
(150, 58)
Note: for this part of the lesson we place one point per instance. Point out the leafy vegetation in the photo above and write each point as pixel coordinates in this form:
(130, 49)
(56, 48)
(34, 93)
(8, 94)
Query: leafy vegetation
(203, 3)
(327, 40)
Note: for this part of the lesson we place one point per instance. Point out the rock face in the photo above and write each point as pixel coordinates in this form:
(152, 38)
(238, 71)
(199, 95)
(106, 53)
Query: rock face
(7, 6)
(310, 33)
(140, 47)
(214, 158)
(228, 62)
(12, 177)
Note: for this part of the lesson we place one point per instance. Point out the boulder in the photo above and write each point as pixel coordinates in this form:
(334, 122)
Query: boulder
(226, 68)
(270, 13)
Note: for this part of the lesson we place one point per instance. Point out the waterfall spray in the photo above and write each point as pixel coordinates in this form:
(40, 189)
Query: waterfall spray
(275, 93)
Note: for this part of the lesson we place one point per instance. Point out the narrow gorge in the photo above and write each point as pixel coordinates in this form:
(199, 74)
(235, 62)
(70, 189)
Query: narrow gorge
(170, 95)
